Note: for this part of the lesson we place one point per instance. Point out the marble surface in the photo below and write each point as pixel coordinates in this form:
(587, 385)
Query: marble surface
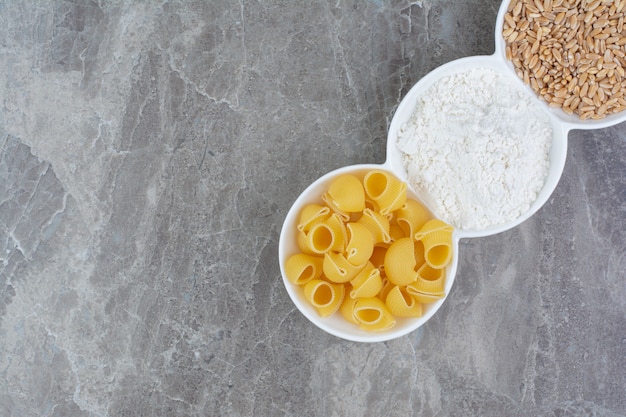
(149, 152)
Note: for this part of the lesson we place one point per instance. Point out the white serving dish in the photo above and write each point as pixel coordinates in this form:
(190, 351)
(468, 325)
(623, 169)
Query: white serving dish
(561, 123)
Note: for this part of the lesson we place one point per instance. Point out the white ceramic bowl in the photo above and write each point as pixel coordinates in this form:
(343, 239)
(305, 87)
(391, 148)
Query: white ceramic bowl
(561, 123)
(336, 324)
(558, 150)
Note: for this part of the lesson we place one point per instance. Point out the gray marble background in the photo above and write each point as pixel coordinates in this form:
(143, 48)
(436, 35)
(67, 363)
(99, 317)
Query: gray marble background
(149, 152)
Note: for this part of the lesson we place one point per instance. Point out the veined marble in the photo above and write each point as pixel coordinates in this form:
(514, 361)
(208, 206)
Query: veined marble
(149, 152)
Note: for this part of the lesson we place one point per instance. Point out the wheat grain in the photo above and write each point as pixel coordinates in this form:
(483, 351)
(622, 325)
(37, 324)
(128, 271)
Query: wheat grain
(570, 52)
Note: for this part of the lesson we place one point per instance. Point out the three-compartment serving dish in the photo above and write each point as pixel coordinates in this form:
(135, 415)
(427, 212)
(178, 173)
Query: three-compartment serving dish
(561, 124)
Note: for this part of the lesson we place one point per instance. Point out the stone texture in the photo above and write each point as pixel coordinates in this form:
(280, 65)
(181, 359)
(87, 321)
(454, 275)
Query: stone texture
(149, 152)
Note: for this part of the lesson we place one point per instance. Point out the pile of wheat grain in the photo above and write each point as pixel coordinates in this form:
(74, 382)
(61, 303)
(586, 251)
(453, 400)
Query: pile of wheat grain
(571, 52)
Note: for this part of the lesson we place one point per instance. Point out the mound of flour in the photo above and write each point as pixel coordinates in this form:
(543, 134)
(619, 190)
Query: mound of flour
(477, 148)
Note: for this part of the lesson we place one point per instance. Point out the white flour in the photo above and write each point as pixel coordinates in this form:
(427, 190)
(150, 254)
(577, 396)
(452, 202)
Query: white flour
(477, 147)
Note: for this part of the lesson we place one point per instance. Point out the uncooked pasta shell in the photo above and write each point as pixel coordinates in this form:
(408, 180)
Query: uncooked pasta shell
(400, 262)
(347, 193)
(384, 291)
(329, 235)
(347, 309)
(385, 189)
(373, 315)
(436, 237)
(324, 296)
(433, 225)
(343, 215)
(412, 216)
(360, 244)
(430, 280)
(403, 304)
(312, 214)
(426, 298)
(337, 268)
(301, 268)
(377, 224)
(303, 243)
(422, 297)
(366, 283)
(396, 232)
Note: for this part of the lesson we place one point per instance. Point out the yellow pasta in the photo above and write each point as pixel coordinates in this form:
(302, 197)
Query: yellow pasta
(371, 204)
(347, 309)
(378, 257)
(377, 224)
(366, 283)
(360, 244)
(385, 189)
(429, 280)
(396, 232)
(372, 314)
(423, 298)
(343, 215)
(347, 194)
(429, 286)
(303, 243)
(301, 268)
(311, 215)
(436, 236)
(369, 253)
(412, 216)
(403, 304)
(400, 262)
(337, 268)
(329, 235)
(418, 252)
(384, 291)
(324, 296)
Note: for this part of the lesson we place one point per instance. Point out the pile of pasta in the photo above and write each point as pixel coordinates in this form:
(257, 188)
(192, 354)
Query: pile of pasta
(370, 252)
